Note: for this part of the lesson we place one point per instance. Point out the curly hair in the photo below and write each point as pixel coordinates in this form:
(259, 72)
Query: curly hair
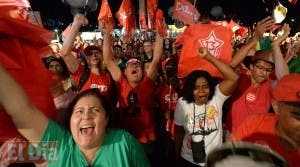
(190, 83)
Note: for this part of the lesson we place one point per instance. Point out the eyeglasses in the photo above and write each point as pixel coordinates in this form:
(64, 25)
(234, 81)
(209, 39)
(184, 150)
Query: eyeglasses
(263, 68)
(134, 64)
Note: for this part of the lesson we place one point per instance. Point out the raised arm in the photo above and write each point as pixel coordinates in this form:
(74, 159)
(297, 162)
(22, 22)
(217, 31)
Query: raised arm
(30, 122)
(157, 54)
(228, 84)
(66, 50)
(260, 29)
(281, 67)
(108, 57)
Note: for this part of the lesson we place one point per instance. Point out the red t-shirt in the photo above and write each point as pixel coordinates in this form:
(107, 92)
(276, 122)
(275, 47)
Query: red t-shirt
(248, 100)
(260, 129)
(141, 124)
(167, 97)
(103, 82)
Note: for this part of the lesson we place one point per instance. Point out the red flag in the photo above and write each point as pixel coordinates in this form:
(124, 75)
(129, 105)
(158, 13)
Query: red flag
(216, 39)
(185, 12)
(21, 47)
(151, 9)
(293, 1)
(142, 15)
(159, 23)
(105, 14)
(126, 17)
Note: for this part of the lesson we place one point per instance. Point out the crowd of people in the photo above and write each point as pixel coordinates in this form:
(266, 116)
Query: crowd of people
(123, 104)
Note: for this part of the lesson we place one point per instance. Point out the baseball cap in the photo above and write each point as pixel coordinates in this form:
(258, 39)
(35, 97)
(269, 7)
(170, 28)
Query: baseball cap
(89, 48)
(288, 89)
(133, 60)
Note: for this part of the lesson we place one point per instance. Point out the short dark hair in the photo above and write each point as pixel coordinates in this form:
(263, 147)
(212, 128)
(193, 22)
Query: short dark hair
(89, 92)
(190, 83)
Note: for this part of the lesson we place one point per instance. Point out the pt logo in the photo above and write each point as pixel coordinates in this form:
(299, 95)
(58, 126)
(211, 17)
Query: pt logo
(212, 43)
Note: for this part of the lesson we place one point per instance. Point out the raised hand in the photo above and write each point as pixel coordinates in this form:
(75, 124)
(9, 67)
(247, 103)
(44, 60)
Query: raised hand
(80, 19)
(263, 26)
(203, 52)
(286, 31)
(105, 28)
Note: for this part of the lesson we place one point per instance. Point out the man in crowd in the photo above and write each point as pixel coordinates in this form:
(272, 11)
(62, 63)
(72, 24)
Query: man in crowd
(253, 94)
(136, 91)
(280, 131)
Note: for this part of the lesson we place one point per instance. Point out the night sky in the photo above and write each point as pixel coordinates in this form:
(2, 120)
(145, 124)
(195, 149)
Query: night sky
(56, 14)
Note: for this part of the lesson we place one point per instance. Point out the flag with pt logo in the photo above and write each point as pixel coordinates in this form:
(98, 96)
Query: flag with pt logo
(216, 39)
(105, 14)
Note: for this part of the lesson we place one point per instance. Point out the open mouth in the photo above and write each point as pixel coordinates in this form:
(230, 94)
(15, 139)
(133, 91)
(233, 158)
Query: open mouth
(202, 97)
(87, 130)
(133, 72)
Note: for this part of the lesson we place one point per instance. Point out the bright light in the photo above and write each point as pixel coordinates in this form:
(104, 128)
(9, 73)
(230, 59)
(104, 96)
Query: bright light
(279, 13)
(56, 30)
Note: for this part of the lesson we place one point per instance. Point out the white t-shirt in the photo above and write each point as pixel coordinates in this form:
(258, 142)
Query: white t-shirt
(184, 116)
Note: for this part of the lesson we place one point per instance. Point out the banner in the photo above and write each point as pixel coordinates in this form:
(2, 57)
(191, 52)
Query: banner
(185, 12)
(216, 39)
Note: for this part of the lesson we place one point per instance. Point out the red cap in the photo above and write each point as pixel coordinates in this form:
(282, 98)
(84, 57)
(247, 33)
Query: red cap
(89, 48)
(288, 89)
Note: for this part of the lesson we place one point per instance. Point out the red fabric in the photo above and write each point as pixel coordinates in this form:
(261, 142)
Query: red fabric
(167, 99)
(234, 26)
(242, 31)
(260, 129)
(248, 100)
(22, 45)
(103, 82)
(105, 14)
(223, 23)
(143, 22)
(216, 38)
(126, 17)
(141, 126)
(151, 9)
(293, 2)
(185, 12)
(159, 23)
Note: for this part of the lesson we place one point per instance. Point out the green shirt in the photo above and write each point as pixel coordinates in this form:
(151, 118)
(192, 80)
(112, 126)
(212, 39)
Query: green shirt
(119, 149)
(294, 65)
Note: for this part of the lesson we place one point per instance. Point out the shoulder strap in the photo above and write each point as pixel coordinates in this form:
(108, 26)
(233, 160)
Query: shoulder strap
(83, 78)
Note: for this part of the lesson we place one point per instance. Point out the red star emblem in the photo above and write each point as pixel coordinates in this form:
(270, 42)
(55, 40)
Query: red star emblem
(212, 43)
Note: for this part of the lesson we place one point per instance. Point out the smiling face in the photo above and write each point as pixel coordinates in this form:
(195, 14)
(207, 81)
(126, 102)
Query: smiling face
(201, 91)
(88, 122)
